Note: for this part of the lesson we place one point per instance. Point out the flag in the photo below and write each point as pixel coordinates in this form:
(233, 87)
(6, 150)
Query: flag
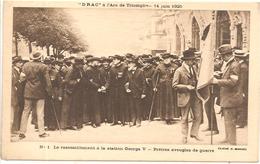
(206, 67)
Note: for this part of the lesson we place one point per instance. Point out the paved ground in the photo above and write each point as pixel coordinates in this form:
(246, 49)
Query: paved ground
(155, 132)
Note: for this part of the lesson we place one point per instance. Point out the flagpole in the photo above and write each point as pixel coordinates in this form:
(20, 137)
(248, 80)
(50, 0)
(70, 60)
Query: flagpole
(211, 87)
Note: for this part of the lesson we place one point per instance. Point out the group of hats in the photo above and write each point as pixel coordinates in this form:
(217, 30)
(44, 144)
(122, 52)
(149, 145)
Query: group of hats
(190, 54)
(16, 59)
(227, 49)
(169, 55)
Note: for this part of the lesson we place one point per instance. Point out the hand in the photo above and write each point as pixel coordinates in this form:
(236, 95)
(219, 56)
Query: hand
(147, 80)
(127, 84)
(78, 80)
(60, 98)
(190, 87)
(91, 80)
(128, 91)
(52, 97)
(143, 96)
(214, 81)
(22, 77)
(103, 88)
(99, 90)
(217, 74)
(155, 89)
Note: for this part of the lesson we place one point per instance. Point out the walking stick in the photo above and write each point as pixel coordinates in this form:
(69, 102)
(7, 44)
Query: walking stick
(55, 115)
(154, 93)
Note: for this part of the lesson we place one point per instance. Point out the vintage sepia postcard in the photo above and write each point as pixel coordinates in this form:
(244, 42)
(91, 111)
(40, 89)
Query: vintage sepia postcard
(135, 81)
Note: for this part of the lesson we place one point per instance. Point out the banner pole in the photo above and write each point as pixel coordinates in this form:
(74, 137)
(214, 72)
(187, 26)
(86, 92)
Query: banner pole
(211, 113)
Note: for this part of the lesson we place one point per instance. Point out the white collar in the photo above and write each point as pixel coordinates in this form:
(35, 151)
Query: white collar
(230, 59)
(186, 66)
(17, 69)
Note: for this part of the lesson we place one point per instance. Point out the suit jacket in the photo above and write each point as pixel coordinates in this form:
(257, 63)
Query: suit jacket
(71, 83)
(243, 78)
(37, 80)
(105, 75)
(230, 94)
(15, 85)
(137, 83)
(93, 78)
(118, 76)
(181, 80)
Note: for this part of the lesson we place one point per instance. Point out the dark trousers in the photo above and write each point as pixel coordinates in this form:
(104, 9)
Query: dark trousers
(135, 110)
(242, 115)
(17, 115)
(208, 109)
(230, 117)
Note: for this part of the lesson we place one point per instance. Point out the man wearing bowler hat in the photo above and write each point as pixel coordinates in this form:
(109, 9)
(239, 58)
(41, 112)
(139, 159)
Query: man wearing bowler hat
(230, 96)
(17, 91)
(185, 81)
(37, 85)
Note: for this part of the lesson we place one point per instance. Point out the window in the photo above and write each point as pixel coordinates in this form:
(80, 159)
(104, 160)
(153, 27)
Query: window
(222, 28)
(239, 37)
(178, 40)
(195, 40)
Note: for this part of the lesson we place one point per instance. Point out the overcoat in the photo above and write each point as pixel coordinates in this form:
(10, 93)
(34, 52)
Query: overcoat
(164, 101)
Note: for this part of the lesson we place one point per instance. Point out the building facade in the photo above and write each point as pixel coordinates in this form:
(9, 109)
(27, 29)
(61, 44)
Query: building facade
(174, 31)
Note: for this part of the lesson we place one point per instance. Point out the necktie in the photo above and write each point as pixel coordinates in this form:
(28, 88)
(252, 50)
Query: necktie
(191, 71)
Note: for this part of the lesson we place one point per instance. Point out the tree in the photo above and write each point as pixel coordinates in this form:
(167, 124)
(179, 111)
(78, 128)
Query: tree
(47, 27)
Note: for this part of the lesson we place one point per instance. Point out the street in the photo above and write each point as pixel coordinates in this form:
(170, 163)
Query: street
(155, 132)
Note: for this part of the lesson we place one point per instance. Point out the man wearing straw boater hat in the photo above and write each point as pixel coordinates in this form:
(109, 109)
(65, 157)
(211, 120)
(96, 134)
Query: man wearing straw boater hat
(185, 81)
(230, 95)
(37, 85)
(241, 57)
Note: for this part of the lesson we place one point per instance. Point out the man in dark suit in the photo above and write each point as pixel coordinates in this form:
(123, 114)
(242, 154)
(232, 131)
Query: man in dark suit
(136, 89)
(117, 81)
(241, 57)
(38, 83)
(231, 97)
(94, 88)
(185, 81)
(105, 99)
(16, 94)
(148, 69)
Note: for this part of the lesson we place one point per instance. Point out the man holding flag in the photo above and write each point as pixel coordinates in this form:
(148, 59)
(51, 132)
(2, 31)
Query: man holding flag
(206, 73)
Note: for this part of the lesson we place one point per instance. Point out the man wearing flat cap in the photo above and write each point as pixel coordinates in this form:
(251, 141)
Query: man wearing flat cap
(16, 94)
(106, 113)
(162, 80)
(117, 81)
(94, 88)
(72, 107)
(231, 98)
(136, 90)
(149, 70)
(241, 57)
(53, 104)
(185, 81)
(37, 85)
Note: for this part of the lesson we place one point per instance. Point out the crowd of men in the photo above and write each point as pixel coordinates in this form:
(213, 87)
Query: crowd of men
(72, 92)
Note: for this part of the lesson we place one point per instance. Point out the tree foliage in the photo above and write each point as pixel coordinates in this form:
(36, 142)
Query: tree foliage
(47, 27)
